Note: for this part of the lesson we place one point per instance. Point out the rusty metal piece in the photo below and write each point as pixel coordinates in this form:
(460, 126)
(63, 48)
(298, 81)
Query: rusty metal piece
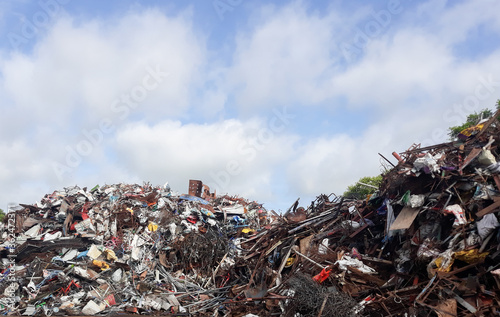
(195, 188)
(396, 155)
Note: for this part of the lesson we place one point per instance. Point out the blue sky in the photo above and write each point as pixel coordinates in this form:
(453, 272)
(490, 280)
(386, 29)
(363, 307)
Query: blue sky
(268, 100)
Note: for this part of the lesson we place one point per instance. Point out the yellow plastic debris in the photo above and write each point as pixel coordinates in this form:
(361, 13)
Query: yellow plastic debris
(474, 129)
(471, 256)
(248, 230)
(289, 262)
(152, 226)
(103, 265)
(443, 264)
(110, 255)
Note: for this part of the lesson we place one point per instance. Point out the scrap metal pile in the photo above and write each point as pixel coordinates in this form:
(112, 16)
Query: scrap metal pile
(426, 244)
(122, 248)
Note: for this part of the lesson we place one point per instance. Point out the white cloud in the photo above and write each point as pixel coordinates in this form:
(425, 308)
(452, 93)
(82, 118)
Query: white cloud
(471, 14)
(410, 64)
(286, 58)
(293, 56)
(232, 156)
(408, 77)
(69, 83)
(328, 165)
(83, 68)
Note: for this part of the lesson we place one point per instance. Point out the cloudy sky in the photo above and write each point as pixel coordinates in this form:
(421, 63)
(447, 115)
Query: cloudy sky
(271, 100)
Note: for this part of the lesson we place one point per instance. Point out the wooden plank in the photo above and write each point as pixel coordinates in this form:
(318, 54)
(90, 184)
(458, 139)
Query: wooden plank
(277, 277)
(405, 218)
(491, 208)
(271, 249)
(472, 155)
(248, 257)
(372, 259)
(304, 244)
(358, 231)
(497, 181)
(465, 268)
(366, 277)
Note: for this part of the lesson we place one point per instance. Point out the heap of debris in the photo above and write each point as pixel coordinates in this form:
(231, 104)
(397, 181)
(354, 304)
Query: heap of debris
(122, 248)
(426, 244)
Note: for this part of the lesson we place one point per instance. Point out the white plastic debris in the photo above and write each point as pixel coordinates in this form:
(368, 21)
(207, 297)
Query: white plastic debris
(416, 201)
(82, 272)
(189, 227)
(33, 231)
(352, 210)
(173, 300)
(227, 263)
(117, 275)
(114, 228)
(323, 247)
(347, 262)
(427, 163)
(91, 308)
(93, 253)
(459, 214)
(70, 255)
(55, 236)
(161, 203)
(486, 225)
(486, 158)
(30, 310)
(172, 227)
(153, 302)
(135, 253)
(350, 224)
(84, 225)
(426, 251)
(212, 222)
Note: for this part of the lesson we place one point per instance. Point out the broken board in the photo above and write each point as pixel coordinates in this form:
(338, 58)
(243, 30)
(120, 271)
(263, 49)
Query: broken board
(405, 218)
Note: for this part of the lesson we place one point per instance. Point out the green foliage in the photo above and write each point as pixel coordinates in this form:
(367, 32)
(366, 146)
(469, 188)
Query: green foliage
(2, 215)
(358, 191)
(471, 121)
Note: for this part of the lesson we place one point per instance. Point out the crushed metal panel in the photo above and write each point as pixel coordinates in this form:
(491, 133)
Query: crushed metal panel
(405, 218)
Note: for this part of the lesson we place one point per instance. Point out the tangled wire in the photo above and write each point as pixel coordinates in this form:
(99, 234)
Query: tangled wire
(309, 298)
(202, 251)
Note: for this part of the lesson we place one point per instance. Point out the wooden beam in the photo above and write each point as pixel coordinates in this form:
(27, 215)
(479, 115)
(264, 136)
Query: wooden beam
(491, 208)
